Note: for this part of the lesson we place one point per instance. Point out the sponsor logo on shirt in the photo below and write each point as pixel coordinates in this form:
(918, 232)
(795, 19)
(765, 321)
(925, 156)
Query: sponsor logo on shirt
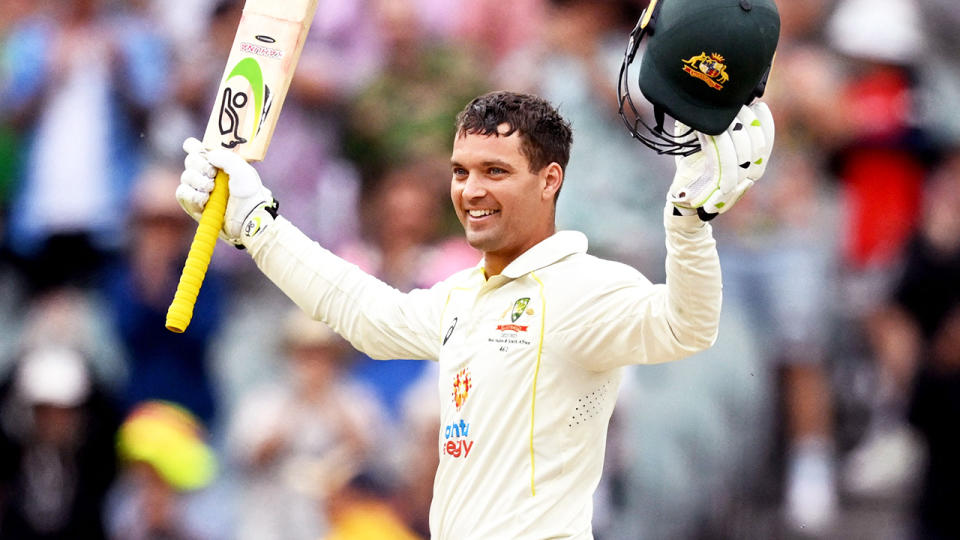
(462, 383)
(455, 440)
(511, 328)
(453, 324)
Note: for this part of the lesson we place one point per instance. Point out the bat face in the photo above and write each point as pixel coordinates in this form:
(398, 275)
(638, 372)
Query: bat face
(261, 64)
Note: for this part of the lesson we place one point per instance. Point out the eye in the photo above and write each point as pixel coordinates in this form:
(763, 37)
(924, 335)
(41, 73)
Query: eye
(460, 172)
(496, 171)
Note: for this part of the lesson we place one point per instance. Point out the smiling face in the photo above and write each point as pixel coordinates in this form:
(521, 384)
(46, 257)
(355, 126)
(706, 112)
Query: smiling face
(504, 207)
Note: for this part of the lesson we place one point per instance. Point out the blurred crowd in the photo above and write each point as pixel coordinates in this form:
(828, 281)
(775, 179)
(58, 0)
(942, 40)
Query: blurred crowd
(826, 409)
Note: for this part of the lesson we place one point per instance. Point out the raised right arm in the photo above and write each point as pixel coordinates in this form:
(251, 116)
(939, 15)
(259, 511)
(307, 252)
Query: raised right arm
(373, 316)
(376, 318)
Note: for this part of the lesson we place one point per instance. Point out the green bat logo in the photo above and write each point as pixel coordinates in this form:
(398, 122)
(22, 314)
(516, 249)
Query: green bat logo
(232, 102)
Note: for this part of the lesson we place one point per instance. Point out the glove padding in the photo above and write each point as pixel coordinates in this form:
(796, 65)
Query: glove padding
(247, 193)
(712, 180)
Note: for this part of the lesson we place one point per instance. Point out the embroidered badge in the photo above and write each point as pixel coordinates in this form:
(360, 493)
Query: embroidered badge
(518, 307)
(709, 69)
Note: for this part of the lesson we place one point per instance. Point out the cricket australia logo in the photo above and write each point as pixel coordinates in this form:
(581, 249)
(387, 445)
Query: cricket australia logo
(709, 69)
(243, 81)
(518, 307)
(462, 384)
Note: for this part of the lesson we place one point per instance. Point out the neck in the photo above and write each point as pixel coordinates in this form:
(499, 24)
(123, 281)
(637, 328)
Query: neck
(495, 262)
(493, 266)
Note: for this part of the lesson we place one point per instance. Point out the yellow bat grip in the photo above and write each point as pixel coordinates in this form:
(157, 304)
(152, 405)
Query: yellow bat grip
(198, 259)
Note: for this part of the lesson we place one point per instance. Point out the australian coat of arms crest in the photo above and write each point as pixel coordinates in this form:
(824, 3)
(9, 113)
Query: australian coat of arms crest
(710, 69)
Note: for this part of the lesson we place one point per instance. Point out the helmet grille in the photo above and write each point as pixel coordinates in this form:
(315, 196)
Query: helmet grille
(654, 137)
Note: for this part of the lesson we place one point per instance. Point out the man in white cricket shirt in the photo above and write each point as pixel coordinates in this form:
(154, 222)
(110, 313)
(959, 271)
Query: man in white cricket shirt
(531, 341)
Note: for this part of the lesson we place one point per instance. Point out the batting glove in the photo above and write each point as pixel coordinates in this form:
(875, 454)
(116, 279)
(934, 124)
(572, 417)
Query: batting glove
(250, 206)
(712, 180)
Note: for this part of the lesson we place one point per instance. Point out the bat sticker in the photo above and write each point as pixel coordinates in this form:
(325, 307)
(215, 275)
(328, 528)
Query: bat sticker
(230, 106)
(265, 51)
(235, 100)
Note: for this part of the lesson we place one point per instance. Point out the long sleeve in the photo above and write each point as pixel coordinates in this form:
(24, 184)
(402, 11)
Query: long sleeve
(616, 317)
(694, 285)
(376, 318)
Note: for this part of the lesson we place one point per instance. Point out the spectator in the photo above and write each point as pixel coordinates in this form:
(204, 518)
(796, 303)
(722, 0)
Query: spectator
(341, 53)
(80, 85)
(781, 263)
(297, 442)
(576, 66)
(315, 182)
(160, 364)
(915, 343)
(404, 114)
(56, 448)
(882, 161)
(71, 318)
(417, 456)
(688, 468)
(167, 463)
(360, 510)
(939, 72)
(494, 30)
(406, 251)
(932, 410)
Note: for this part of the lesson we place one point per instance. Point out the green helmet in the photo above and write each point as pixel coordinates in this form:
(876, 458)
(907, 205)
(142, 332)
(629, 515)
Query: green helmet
(704, 59)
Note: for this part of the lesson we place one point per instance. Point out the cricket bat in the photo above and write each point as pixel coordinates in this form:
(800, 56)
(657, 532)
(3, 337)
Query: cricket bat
(254, 84)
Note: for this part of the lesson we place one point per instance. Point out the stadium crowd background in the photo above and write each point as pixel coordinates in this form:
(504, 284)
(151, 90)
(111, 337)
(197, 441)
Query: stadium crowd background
(826, 410)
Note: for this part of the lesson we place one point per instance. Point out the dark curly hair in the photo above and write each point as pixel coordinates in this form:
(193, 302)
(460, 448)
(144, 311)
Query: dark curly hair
(545, 136)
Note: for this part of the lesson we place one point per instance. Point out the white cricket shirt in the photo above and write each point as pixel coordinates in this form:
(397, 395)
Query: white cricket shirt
(529, 362)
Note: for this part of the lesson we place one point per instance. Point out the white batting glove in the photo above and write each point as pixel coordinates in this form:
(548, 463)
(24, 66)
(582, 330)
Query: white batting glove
(712, 180)
(250, 206)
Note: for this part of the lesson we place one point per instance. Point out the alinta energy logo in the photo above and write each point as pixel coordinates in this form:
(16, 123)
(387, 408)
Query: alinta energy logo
(456, 436)
(462, 383)
(456, 440)
(235, 101)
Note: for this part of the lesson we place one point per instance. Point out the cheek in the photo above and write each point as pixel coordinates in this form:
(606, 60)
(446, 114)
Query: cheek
(456, 189)
(456, 195)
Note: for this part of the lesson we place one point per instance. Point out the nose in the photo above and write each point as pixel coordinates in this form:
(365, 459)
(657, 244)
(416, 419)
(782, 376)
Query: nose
(473, 187)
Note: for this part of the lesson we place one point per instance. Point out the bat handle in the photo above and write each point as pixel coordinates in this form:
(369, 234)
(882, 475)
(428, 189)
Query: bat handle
(198, 259)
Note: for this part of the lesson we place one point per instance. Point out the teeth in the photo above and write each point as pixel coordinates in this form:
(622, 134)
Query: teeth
(481, 213)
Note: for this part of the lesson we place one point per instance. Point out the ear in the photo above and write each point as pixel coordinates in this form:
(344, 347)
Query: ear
(552, 176)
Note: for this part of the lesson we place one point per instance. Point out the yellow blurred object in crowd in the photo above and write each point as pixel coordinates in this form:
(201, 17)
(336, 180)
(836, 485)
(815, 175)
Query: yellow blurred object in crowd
(171, 440)
(369, 520)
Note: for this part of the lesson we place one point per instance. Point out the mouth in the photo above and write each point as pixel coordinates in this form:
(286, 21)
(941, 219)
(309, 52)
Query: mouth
(480, 214)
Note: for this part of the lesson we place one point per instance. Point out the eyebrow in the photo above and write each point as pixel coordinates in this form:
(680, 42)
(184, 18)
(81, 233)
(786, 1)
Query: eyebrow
(488, 163)
(496, 163)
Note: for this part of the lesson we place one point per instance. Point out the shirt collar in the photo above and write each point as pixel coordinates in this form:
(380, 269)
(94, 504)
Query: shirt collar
(547, 252)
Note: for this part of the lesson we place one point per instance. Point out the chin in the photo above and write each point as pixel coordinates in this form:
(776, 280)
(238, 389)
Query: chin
(479, 242)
